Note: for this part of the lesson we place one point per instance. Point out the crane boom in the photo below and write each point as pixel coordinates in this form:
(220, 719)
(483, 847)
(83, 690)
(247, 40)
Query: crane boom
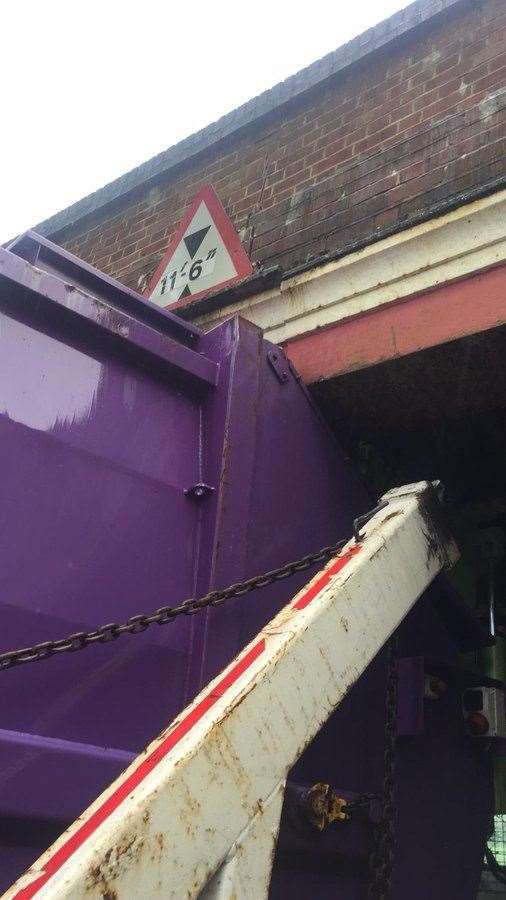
(197, 813)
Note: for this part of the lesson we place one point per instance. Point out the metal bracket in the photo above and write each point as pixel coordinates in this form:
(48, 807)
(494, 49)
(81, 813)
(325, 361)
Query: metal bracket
(278, 364)
(199, 490)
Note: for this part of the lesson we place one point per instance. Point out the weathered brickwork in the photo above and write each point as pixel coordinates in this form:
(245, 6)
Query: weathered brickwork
(416, 123)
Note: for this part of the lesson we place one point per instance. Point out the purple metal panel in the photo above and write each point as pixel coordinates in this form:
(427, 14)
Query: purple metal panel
(102, 432)
(410, 696)
(285, 487)
(47, 256)
(81, 310)
(97, 450)
(47, 762)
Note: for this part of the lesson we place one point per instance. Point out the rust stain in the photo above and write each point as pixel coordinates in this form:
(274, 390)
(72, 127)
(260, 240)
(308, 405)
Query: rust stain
(379, 526)
(99, 881)
(323, 807)
(391, 515)
(103, 875)
(160, 845)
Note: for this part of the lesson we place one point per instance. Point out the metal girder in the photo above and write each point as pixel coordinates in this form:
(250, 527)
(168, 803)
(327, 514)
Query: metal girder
(198, 811)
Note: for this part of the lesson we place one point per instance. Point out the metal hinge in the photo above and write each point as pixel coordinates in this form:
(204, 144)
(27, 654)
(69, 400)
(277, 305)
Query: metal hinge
(279, 365)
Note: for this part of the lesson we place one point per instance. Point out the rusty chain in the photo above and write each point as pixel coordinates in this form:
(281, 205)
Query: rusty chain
(382, 858)
(162, 616)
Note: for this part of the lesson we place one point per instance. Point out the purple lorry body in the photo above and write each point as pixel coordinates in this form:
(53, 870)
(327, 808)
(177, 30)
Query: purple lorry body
(111, 411)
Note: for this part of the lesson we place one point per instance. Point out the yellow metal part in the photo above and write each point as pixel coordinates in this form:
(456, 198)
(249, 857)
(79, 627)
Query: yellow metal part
(324, 806)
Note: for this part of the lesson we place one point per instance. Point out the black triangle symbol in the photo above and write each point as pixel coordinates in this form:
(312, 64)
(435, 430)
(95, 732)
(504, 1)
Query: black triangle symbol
(185, 292)
(193, 241)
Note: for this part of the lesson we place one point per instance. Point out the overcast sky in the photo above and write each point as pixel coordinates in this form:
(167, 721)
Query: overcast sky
(91, 89)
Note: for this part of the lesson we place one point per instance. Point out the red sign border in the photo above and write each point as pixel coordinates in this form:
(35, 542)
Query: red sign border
(229, 236)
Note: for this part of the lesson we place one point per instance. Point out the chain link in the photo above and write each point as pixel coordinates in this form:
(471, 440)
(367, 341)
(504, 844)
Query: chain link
(382, 858)
(136, 624)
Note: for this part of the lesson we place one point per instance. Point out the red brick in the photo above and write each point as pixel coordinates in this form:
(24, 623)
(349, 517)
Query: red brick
(330, 162)
(314, 157)
(358, 134)
(378, 124)
(410, 122)
(294, 167)
(378, 138)
(245, 205)
(425, 99)
(447, 63)
(413, 170)
(489, 82)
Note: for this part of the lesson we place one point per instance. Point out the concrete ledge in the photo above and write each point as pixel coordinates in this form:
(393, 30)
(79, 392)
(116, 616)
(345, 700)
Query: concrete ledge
(457, 245)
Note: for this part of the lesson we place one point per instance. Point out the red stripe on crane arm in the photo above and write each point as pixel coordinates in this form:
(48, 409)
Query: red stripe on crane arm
(324, 579)
(114, 800)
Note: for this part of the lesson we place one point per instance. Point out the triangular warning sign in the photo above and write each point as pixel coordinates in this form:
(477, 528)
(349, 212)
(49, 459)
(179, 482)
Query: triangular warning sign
(204, 255)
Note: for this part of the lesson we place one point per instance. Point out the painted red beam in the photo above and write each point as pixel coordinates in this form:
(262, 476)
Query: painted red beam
(443, 314)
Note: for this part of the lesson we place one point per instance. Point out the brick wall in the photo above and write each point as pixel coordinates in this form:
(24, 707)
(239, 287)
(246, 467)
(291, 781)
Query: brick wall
(417, 123)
